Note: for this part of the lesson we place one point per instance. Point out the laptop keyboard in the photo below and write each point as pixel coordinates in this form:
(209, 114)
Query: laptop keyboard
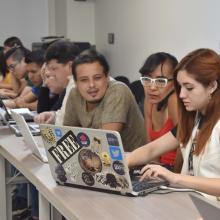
(28, 117)
(145, 184)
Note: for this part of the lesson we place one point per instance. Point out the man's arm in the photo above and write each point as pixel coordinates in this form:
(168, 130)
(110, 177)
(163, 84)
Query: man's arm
(27, 101)
(17, 84)
(113, 126)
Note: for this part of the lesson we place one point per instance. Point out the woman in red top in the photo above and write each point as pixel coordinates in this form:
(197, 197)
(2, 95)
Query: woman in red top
(160, 104)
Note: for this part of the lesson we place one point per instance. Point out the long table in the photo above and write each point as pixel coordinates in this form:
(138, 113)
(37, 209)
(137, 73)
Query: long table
(82, 204)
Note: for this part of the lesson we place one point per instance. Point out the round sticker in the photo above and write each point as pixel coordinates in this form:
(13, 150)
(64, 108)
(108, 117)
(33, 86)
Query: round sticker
(88, 179)
(83, 139)
(89, 161)
(118, 167)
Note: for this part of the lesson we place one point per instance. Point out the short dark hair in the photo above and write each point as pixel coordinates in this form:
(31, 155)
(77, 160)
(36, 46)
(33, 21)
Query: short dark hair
(123, 79)
(156, 59)
(3, 66)
(12, 42)
(62, 50)
(36, 56)
(90, 56)
(17, 53)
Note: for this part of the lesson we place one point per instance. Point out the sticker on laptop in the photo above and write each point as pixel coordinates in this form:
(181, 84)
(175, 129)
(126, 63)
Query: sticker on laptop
(48, 135)
(106, 159)
(112, 181)
(65, 148)
(112, 139)
(83, 139)
(61, 173)
(118, 167)
(115, 153)
(89, 161)
(96, 145)
(58, 132)
(71, 171)
(88, 179)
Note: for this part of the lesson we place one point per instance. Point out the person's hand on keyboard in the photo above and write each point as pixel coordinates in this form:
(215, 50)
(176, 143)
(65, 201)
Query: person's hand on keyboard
(152, 170)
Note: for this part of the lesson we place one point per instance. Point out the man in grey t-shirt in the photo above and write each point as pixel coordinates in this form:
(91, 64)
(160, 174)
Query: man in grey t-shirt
(97, 102)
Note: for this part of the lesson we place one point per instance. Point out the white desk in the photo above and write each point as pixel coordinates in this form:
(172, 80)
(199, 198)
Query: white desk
(84, 204)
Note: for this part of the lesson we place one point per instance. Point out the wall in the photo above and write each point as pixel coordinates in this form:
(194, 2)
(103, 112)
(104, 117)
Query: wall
(143, 27)
(81, 21)
(27, 19)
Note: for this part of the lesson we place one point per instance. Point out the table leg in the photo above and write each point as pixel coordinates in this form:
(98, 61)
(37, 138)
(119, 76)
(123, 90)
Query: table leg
(3, 213)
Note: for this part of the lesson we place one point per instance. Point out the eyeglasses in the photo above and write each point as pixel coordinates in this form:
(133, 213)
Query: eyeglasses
(159, 82)
(12, 66)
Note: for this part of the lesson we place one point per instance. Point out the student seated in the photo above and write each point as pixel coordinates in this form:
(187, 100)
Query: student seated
(97, 102)
(58, 69)
(6, 86)
(33, 63)
(160, 104)
(15, 59)
(197, 83)
(5, 78)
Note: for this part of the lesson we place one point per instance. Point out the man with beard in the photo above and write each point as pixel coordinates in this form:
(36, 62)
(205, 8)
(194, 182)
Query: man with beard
(100, 103)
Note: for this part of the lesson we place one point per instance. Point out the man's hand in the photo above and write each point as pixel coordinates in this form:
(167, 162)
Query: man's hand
(45, 118)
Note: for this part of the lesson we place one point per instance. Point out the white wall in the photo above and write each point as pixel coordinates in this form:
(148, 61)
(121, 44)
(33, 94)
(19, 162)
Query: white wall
(27, 19)
(81, 21)
(143, 27)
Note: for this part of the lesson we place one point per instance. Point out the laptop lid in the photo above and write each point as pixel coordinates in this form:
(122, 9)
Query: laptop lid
(6, 115)
(25, 112)
(88, 158)
(38, 151)
(207, 209)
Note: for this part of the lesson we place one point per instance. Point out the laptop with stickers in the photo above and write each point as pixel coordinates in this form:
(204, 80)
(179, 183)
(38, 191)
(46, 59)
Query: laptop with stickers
(36, 145)
(93, 159)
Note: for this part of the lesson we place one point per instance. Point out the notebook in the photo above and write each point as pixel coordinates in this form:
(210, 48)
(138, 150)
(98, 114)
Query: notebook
(36, 146)
(207, 209)
(92, 159)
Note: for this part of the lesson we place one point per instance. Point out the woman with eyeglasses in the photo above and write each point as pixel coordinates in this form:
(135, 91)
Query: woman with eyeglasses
(160, 106)
(197, 84)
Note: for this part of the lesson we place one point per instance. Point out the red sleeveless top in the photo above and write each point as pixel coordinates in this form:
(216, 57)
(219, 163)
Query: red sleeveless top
(169, 157)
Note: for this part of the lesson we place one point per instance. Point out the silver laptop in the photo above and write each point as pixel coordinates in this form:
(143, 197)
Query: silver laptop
(36, 146)
(92, 158)
(208, 210)
(6, 113)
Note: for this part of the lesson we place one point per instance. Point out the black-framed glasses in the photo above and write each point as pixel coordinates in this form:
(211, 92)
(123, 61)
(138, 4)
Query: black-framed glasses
(12, 66)
(159, 82)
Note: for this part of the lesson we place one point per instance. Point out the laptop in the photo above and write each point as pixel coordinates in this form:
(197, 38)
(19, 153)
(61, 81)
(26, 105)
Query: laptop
(208, 210)
(36, 146)
(92, 159)
(6, 114)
